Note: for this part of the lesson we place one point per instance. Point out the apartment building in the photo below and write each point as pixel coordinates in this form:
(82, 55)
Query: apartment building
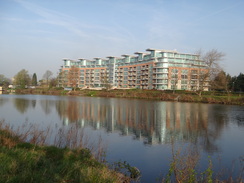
(154, 69)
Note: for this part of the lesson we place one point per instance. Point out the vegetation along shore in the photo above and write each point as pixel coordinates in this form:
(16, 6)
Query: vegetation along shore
(212, 97)
(25, 157)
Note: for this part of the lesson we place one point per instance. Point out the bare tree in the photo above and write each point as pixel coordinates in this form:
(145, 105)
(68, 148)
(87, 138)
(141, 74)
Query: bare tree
(47, 76)
(212, 60)
(53, 82)
(105, 82)
(173, 79)
(61, 79)
(73, 76)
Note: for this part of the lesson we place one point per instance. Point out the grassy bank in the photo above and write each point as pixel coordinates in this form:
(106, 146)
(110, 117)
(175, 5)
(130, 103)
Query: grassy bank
(181, 96)
(29, 162)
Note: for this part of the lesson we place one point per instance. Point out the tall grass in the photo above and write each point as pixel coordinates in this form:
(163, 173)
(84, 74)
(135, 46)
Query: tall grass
(184, 168)
(72, 137)
(26, 157)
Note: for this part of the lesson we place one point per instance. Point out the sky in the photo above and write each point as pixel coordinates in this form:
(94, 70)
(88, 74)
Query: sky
(37, 35)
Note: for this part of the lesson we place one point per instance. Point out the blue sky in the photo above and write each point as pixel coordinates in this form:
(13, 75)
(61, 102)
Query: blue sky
(36, 35)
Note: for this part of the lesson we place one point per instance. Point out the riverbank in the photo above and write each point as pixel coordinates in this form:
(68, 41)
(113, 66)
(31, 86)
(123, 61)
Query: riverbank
(29, 162)
(179, 95)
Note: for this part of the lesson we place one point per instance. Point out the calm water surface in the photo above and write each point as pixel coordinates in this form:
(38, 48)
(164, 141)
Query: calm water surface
(139, 131)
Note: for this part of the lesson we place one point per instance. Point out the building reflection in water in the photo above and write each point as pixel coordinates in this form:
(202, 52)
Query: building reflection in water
(150, 121)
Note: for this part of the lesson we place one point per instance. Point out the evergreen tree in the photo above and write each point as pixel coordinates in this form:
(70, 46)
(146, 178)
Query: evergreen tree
(34, 80)
(238, 83)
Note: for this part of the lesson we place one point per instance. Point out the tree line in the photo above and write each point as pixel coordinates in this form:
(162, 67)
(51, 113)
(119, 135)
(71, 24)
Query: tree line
(23, 79)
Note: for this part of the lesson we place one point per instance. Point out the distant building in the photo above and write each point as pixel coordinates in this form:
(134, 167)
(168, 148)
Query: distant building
(155, 69)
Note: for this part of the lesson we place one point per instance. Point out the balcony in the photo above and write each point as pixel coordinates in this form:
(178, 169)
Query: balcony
(160, 72)
(144, 73)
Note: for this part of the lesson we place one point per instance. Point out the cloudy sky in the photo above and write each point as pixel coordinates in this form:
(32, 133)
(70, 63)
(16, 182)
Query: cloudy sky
(36, 35)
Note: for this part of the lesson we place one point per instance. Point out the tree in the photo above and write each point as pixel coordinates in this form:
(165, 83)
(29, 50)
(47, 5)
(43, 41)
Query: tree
(238, 83)
(173, 79)
(4, 81)
(221, 82)
(61, 79)
(22, 78)
(211, 60)
(105, 82)
(47, 76)
(53, 82)
(34, 80)
(73, 76)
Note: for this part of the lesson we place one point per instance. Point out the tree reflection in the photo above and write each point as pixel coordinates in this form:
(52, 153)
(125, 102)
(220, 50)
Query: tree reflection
(3, 101)
(21, 104)
(47, 105)
(33, 103)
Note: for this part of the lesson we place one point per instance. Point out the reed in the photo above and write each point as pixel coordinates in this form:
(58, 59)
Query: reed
(184, 167)
(25, 156)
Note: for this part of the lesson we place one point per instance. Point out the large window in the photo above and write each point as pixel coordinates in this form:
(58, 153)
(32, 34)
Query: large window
(174, 70)
(194, 71)
(184, 87)
(183, 76)
(183, 82)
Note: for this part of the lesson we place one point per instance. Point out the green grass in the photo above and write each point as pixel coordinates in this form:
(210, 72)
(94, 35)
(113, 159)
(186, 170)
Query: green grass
(25, 162)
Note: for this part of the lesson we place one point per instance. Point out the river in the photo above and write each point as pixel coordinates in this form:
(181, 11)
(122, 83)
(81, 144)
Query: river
(140, 132)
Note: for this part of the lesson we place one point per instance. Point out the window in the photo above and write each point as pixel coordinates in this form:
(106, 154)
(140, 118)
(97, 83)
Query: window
(173, 87)
(165, 81)
(184, 87)
(183, 76)
(174, 70)
(183, 82)
(174, 75)
(184, 71)
(194, 77)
